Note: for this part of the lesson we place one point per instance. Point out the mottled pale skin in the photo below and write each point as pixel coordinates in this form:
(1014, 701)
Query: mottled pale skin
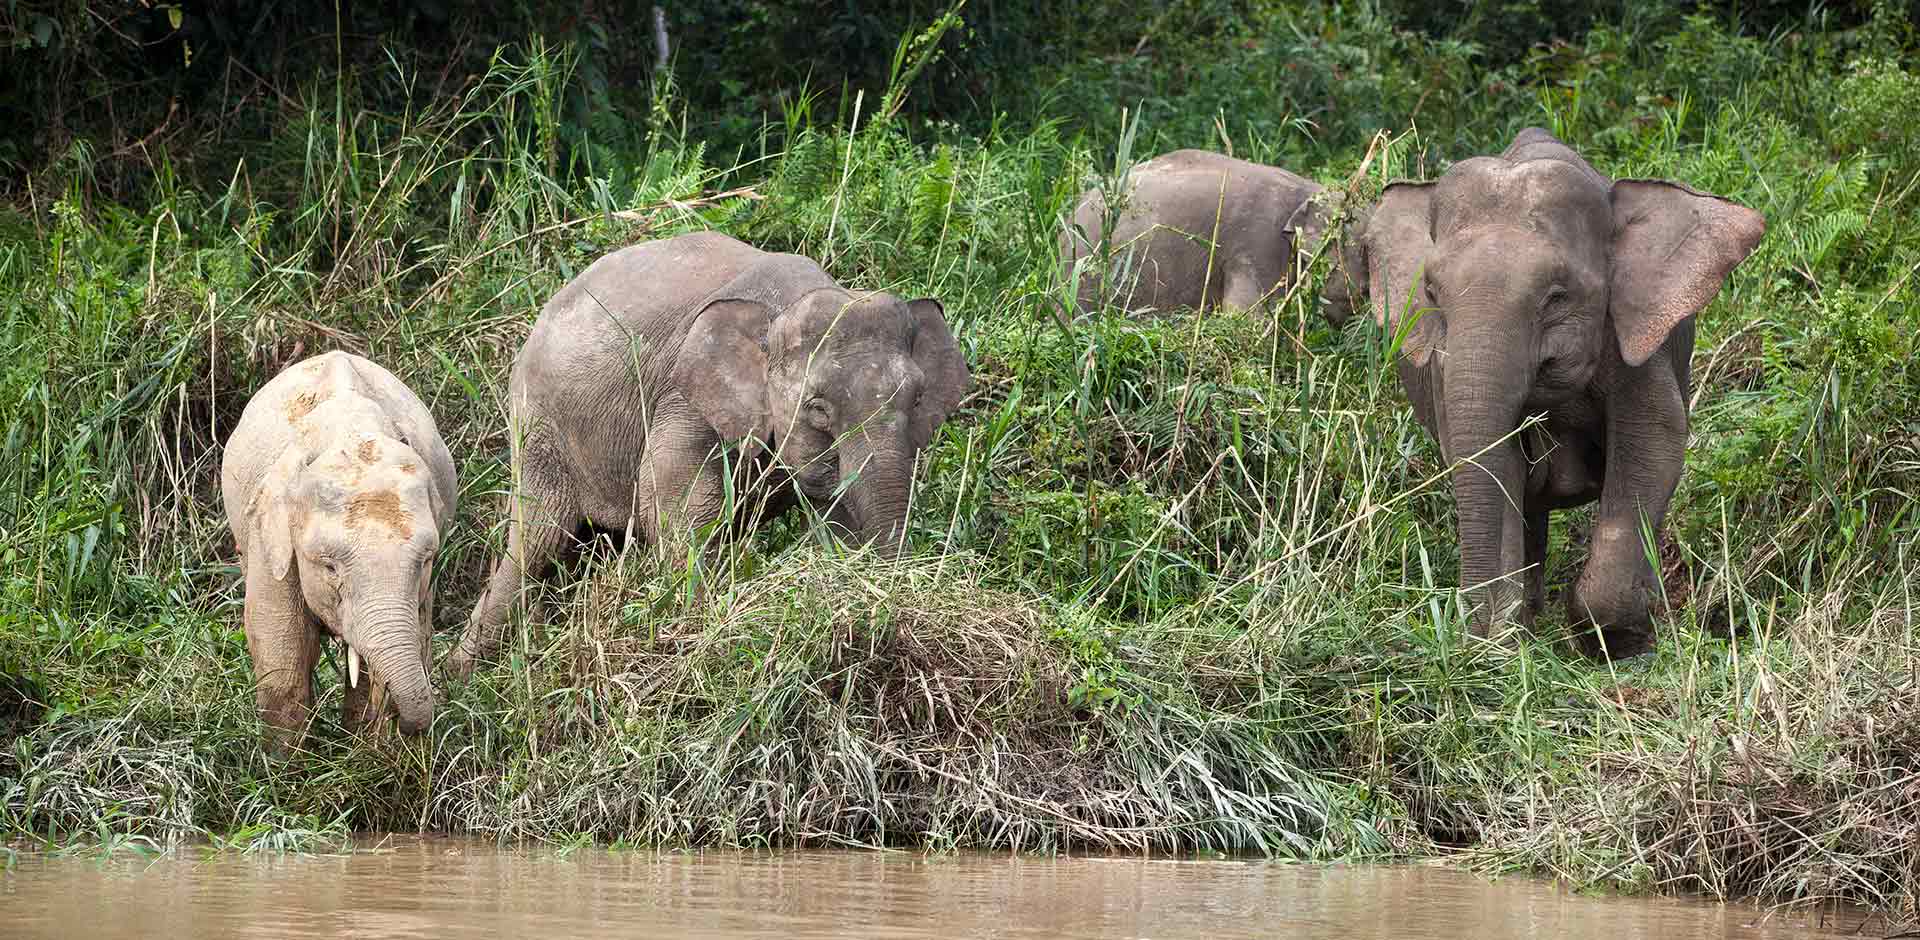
(338, 490)
(1544, 288)
(1196, 230)
(639, 374)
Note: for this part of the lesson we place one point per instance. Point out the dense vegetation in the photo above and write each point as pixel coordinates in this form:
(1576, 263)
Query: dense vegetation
(1179, 585)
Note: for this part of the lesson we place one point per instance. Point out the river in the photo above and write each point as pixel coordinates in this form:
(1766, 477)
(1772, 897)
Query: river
(405, 887)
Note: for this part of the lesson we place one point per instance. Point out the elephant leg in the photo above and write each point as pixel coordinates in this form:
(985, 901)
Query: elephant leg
(1646, 442)
(1248, 286)
(1536, 559)
(680, 490)
(545, 511)
(284, 648)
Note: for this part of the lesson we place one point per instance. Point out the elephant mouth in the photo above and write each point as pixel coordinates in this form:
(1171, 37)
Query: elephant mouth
(382, 689)
(1557, 380)
(819, 476)
(355, 662)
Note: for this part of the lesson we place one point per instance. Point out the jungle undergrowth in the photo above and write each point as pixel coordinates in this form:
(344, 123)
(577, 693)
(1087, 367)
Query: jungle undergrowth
(1178, 584)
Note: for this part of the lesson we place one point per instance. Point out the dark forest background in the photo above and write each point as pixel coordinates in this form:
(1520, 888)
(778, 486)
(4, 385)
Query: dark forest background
(118, 85)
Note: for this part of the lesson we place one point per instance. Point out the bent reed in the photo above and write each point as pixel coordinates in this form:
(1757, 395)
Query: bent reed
(1173, 585)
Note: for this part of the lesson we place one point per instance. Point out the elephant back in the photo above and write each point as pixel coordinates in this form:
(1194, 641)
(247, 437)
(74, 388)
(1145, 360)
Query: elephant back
(775, 281)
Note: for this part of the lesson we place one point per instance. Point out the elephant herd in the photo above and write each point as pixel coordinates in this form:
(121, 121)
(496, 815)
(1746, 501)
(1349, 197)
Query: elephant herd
(1545, 316)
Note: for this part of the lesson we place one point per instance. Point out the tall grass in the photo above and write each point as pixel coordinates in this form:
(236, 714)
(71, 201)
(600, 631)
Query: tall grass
(1179, 584)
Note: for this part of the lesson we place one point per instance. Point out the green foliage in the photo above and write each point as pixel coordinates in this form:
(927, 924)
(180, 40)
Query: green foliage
(1178, 584)
(1876, 103)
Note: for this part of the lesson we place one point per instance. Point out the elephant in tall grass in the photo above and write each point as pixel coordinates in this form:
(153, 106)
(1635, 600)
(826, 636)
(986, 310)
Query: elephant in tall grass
(1528, 284)
(641, 375)
(337, 489)
(1195, 230)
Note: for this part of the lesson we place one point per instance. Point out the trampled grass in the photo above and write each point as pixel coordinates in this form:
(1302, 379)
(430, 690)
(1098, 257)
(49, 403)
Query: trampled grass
(1178, 585)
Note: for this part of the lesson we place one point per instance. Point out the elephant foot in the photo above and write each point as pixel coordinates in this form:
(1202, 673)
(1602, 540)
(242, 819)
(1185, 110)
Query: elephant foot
(1609, 632)
(283, 743)
(284, 717)
(461, 661)
(457, 665)
(1613, 643)
(1512, 622)
(1502, 638)
(1507, 634)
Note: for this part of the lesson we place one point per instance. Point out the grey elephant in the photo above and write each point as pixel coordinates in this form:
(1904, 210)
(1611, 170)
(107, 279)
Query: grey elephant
(642, 372)
(338, 489)
(1529, 284)
(1196, 230)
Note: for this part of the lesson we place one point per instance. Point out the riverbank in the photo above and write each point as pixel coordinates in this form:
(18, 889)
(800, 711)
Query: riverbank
(1179, 585)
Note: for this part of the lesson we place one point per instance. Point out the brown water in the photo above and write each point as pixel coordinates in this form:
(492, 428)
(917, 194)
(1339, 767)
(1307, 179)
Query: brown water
(446, 888)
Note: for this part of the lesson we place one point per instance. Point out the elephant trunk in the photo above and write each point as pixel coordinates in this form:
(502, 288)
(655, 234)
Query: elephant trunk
(1486, 378)
(879, 495)
(387, 631)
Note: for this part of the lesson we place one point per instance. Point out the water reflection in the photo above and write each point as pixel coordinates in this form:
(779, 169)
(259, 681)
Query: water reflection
(408, 887)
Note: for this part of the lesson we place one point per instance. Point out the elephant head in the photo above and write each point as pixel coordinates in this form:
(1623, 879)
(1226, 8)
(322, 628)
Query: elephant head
(1328, 223)
(357, 523)
(1528, 284)
(845, 388)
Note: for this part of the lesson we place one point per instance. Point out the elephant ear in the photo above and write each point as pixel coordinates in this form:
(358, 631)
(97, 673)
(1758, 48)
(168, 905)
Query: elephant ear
(438, 503)
(1398, 237)
(942, 367)
(1306, 228)
(1309, 230)
(1672, 249)
(721, 367)
(271, 515)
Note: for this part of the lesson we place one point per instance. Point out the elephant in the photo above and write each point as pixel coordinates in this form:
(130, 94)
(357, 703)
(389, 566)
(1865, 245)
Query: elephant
(644, 373)
(1196, 230)
(1527, 285)
(338, 490)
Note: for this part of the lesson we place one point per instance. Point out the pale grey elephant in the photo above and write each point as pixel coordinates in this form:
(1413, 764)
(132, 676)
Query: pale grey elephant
(338, 489)
(1529, 284)
(1195, 230)
(639, 373)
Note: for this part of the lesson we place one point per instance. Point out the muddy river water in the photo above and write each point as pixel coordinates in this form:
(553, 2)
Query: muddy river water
(412, 887)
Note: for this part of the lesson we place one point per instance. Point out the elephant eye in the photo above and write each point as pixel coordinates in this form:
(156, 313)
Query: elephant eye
(820, 414)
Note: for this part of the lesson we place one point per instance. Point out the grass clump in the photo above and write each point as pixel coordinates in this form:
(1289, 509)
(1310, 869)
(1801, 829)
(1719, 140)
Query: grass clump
(834, 698)
(1177, 585)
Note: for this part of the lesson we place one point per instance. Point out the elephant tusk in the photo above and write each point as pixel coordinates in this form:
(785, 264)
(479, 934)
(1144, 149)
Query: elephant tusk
(353, 668)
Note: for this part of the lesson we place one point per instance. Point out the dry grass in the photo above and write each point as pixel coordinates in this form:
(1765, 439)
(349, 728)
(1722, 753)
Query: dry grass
(839, 699)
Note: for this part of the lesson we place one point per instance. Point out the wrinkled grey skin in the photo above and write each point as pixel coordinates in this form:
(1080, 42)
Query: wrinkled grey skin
(1197, 230)
(1543, 287)
(638, 371)
(338, 489)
